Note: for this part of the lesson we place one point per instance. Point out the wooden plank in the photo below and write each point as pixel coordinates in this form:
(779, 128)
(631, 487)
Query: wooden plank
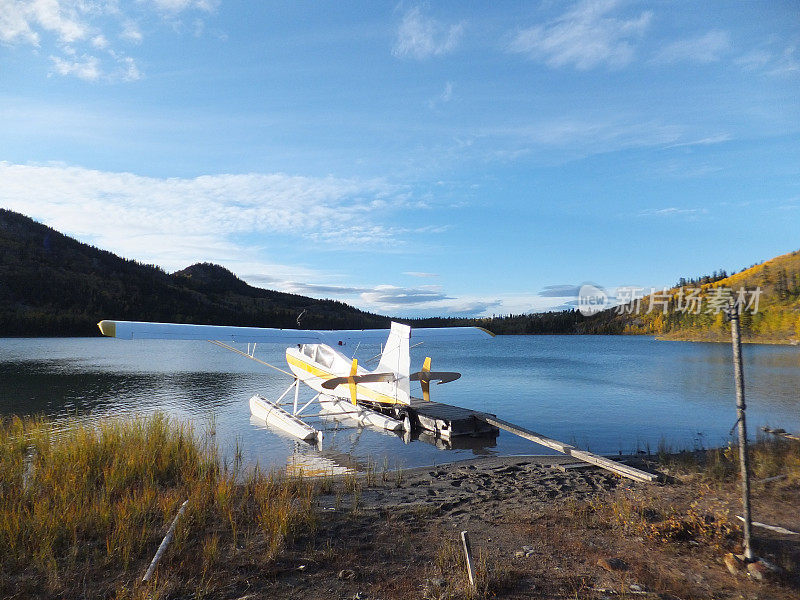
(774, 528)
(468, 555)
(568, 449)
(781, 433)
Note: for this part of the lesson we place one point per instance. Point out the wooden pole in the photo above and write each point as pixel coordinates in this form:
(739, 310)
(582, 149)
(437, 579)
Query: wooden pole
(164, 543)
(744, 466)
(600, 461)
(468, 555)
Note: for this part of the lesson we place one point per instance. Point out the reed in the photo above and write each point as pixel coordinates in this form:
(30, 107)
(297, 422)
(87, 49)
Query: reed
(87, 504)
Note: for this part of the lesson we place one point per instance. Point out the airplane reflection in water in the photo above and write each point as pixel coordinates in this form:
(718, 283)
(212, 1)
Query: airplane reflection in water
(336, 457)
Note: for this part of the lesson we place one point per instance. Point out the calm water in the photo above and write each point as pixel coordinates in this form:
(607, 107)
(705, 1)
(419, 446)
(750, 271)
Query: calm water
(605, 393)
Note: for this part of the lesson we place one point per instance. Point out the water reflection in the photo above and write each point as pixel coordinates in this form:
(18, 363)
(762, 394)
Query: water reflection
(605, 393)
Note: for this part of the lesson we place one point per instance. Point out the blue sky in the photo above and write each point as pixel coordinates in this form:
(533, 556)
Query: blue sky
(411, 158)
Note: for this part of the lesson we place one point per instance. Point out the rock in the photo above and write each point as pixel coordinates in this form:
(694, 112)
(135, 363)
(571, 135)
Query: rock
(635, 587)
(735, 565)
(757, 571)
(612, 564)
(762, 569)
(346, 574)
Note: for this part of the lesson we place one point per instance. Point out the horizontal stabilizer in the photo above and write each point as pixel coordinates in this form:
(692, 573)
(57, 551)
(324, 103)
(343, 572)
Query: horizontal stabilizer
(438, 376)
(140, 330)
(335, 382)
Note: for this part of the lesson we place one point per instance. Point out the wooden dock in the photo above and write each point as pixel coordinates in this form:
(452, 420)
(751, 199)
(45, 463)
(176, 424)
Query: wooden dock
(448, 421)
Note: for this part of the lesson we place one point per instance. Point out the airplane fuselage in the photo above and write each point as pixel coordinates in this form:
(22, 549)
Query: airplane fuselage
(315, 363)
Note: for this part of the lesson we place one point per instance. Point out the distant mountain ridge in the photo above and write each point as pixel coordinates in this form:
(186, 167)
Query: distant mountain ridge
(53, 285)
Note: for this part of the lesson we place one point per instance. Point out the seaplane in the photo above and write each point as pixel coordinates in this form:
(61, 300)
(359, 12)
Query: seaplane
(342, 387)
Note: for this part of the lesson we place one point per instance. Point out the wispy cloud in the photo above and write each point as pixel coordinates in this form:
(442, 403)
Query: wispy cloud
(707, 48)
(177, 6)
(420, 36)
(444, 97)
(771, 61)
(420, 274)
(85, 67)
(584, 37)
(82, 38)
(174, 222)
(560, 291)
(579, 137)
(705, 141)
(391, 296)
(673, 212)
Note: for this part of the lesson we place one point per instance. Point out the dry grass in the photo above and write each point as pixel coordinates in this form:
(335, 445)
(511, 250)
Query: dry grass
(83, 508)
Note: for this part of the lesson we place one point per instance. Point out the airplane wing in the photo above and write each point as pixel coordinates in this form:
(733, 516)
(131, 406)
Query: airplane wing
(141, 330)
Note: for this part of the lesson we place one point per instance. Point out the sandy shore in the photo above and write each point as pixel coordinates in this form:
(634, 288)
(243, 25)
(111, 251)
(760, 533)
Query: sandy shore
(480, 488)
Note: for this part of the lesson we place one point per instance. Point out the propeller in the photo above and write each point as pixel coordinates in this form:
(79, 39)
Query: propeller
(353, 380)
(425, 376)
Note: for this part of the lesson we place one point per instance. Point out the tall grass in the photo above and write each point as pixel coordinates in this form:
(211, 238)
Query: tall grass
(91, 502)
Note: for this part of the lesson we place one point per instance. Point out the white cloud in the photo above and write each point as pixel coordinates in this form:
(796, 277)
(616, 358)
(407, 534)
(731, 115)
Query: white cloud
(703, 49)
(421, 37)
(73, 28)
(86, 68)
(584, 37)
(129, 70)
(173, 222)
(14, 23)
(131, 32)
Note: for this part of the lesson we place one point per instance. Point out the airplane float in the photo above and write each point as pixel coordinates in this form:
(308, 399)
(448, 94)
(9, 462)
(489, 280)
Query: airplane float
(380, 398)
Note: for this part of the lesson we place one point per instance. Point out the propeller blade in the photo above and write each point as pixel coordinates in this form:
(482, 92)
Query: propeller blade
(440, 376)
(352, 382)
(335, 382)
(425, 382)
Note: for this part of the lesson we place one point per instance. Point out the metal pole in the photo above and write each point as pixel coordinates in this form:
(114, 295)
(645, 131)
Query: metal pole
(736, 340)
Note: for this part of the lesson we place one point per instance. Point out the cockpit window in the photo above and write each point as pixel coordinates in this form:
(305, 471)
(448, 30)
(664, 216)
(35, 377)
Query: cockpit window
(324, 356)
(308, 350)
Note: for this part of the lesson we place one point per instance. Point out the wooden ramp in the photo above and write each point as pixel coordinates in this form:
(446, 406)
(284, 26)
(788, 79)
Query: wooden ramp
(588, 457)
(448, 421)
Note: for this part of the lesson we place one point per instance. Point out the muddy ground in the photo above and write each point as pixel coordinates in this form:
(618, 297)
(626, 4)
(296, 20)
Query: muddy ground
(538, 529)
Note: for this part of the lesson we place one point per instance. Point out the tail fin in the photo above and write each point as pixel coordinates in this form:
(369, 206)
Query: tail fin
(396, 359)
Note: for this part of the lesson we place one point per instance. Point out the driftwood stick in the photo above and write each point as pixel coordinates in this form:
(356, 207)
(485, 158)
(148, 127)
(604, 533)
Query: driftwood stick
(774, 528)
(468, 555)
(164, 543)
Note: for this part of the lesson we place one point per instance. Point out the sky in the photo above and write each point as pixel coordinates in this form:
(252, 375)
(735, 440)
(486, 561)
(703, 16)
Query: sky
(412, 158)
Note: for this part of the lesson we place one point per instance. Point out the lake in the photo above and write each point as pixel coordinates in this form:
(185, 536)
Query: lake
(608, 394)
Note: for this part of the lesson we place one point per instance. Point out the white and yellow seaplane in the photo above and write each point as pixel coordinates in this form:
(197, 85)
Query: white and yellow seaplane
(380, 398)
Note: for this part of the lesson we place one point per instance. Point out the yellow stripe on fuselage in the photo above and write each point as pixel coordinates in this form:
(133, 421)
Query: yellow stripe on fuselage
(323, 374)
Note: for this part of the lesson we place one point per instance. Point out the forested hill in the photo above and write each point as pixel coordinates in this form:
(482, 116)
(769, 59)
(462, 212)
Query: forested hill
(53, 285)
(690, 311)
